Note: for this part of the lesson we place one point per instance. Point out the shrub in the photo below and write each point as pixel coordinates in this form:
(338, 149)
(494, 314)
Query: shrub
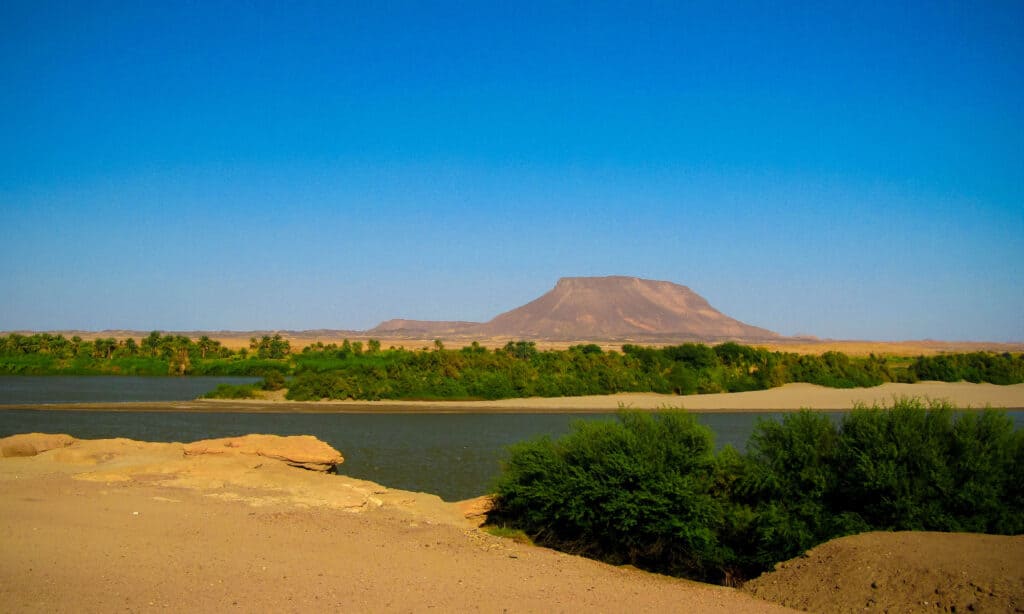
(786, 478)
(273, 380)
(649, 490)
(982, 463)
(895, 472)
(635, 491)
(229, 391)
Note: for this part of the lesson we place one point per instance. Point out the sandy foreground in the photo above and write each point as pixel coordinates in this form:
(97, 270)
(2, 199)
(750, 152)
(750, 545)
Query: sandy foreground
(114, 525)
(790, 397)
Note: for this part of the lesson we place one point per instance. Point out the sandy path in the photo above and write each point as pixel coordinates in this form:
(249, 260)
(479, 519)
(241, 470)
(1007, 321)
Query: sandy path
(785, 398)
(86, 546)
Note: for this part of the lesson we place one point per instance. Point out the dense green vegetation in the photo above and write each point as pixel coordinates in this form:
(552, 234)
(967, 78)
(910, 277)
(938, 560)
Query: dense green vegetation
(353, 370)
(273, 380)
(650, 490)
(155, 354)
(232, 391)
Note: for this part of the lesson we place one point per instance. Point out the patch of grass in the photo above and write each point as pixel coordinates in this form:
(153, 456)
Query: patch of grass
(516, 535)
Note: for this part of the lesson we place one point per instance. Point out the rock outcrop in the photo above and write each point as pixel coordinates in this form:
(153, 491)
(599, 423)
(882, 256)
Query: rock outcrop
(260, 470)
(31, 444)
(303, 451)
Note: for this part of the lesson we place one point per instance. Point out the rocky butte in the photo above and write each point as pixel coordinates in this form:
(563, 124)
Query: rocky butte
(614, 307)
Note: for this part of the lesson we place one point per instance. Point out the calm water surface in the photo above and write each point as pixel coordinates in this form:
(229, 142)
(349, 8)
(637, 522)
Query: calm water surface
(18, 389)
(453, 455)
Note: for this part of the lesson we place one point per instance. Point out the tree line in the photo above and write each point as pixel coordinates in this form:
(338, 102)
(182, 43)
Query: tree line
(354, 370)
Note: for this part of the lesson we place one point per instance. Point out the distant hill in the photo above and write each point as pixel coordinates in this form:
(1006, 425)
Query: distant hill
(427, 328)
(613, 307)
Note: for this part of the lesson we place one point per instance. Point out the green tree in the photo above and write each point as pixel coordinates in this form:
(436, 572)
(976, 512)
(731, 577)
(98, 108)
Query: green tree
(104, 348)
(151, 344)
(130, 347)
(206, 346)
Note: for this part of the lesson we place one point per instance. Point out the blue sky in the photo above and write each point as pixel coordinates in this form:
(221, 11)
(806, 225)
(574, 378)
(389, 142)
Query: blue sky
(850, 170)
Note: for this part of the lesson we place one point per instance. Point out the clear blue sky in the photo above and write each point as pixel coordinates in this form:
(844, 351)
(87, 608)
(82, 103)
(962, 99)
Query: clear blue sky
(848, 171)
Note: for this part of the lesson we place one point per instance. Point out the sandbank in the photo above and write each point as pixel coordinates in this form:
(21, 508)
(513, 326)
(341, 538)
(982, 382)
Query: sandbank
(791, 397)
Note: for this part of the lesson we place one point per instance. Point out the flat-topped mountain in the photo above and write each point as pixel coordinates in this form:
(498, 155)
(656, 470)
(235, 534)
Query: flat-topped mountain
(612, 307)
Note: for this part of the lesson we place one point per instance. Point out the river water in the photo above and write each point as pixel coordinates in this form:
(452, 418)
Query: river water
(455, 456)
(31, 390)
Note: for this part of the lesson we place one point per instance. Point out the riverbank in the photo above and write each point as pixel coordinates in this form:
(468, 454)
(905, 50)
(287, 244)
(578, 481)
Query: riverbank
(791, 397)
(104, 525)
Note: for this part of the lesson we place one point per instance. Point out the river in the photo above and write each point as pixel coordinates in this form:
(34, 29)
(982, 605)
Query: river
(455, 456)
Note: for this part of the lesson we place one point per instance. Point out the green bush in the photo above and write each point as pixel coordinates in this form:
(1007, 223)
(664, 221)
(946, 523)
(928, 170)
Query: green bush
(650, 491)
(273, 380)
(984, 468)
(229, 391)
(1003, 369)
(637, 491)
(896, 474)
(786, 478)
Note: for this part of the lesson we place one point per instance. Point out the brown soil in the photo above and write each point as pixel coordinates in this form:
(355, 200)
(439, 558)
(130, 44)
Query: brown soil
(902, 572)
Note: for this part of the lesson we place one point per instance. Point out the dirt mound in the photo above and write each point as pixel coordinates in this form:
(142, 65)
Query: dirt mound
(902, 572)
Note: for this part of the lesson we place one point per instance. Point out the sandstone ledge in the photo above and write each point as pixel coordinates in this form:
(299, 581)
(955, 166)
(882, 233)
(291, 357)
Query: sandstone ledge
(260, 470)
(303, 451)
